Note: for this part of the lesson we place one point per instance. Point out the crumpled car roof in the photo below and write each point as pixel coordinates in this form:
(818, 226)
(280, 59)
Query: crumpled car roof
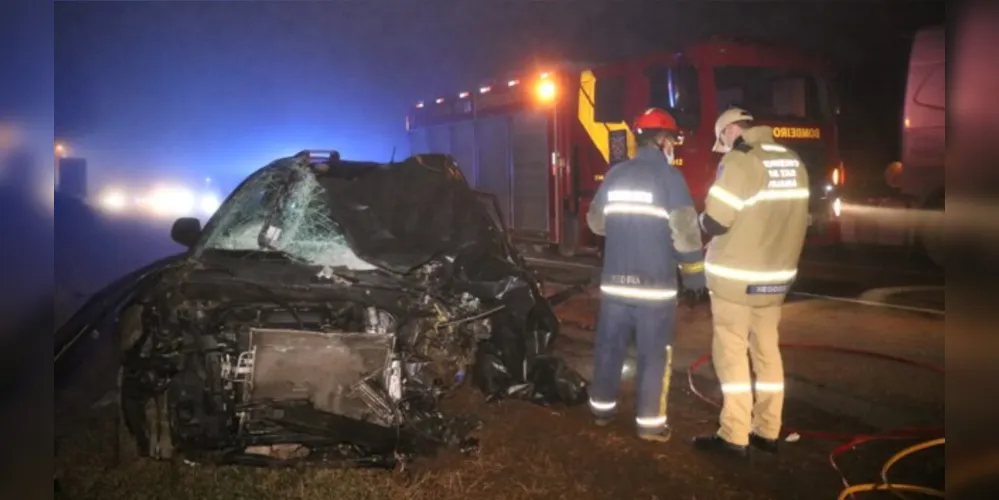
(400, 215)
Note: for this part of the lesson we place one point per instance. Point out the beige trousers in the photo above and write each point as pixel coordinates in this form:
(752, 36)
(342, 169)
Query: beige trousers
(738, 328)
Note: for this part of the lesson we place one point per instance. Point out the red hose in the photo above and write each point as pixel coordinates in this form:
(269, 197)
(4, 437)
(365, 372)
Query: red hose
(848, 441)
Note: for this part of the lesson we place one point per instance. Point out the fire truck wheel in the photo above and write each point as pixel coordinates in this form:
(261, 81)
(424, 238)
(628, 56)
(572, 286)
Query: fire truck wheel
(570, 236)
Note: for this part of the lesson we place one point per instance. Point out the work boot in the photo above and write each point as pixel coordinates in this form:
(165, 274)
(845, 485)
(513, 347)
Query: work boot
(763, 444)
(660, 436)
(717, 444)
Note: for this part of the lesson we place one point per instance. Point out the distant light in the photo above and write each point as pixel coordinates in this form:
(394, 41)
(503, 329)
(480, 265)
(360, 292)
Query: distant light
(907, 122)
(511, 83)
(440, 100)
(483, 90)
(419, 104)
(462, 95)
(208, 180)
(837, 206)
(113, 201)
(209, 204)
(173, 201)
(60, 150)
(829, 187)
(545, 75)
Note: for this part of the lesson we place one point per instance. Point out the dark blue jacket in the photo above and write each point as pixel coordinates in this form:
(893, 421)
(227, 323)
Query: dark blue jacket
(645, 211)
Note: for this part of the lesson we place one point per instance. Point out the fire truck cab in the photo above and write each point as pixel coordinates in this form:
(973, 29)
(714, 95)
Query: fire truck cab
(541, 142)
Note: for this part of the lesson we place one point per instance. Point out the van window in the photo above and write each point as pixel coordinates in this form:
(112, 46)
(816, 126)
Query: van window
(675, 90)
(931, 91)
(609, 97)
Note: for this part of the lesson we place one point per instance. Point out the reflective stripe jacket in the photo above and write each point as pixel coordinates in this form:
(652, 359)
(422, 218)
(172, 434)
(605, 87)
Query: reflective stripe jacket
(757, 213)
(644, 209)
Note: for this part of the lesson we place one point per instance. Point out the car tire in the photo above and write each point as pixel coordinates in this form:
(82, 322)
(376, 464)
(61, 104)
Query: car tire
(158, 427)
(156, 408)
(125, 444)
(128, 333)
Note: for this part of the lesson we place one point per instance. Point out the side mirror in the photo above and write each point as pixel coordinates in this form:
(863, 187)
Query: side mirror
(186, 231)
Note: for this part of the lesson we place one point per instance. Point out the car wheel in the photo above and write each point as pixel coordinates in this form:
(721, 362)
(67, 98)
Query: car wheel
(158, 427)
(156, 409)
(127, 447)
(129, 332)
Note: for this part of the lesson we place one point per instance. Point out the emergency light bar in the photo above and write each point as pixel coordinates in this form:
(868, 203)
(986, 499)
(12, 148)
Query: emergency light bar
(545, 90)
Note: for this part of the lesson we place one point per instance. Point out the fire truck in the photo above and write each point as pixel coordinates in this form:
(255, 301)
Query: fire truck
(541, 142)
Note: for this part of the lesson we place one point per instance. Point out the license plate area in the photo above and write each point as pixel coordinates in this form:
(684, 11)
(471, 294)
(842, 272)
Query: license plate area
(338, 373)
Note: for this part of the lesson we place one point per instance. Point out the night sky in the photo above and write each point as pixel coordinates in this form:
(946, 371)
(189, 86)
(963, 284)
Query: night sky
(164, 89)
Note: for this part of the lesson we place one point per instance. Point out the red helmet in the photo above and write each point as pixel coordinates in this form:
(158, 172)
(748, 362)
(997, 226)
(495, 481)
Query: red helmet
(656, 119)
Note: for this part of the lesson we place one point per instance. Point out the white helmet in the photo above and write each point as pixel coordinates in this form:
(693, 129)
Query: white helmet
(730, 116)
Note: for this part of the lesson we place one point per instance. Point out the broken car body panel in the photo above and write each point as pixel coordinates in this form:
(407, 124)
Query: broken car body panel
(325, 310)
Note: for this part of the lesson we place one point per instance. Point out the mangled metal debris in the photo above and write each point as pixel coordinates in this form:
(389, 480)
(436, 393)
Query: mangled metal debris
(325, 312)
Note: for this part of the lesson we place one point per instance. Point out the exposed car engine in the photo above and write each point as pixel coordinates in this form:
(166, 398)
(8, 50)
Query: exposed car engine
(230, 378)
(288, 336)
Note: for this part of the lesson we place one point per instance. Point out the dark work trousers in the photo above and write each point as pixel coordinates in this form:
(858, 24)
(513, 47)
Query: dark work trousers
(653, 328)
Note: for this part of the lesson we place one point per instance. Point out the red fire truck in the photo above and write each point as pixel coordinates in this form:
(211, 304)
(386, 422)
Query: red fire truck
(541, 142)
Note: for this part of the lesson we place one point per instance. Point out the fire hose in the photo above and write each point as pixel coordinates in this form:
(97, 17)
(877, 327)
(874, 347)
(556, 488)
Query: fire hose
(850, 441)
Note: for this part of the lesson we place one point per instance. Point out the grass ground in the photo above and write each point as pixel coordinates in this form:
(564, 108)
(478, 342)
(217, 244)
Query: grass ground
(526, 451)
(534, 452)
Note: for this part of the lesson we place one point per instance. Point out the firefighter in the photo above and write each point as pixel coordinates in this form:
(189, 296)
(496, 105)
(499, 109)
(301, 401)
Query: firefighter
(644, 210)
(756, 213)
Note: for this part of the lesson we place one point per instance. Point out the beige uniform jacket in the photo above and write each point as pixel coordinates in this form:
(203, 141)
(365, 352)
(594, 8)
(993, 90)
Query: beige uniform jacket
(761, 197)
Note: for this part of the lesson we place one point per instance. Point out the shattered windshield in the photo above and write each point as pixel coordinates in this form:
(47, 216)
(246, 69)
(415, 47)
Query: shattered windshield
(283, 209)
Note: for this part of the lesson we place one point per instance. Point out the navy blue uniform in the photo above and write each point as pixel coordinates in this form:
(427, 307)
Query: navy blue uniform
(645, 211)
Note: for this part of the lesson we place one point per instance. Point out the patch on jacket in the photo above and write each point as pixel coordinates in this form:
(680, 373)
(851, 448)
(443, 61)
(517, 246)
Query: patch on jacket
(767, 289)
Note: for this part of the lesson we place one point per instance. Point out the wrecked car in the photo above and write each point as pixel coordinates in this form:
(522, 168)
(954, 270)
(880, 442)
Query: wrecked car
(322, 314)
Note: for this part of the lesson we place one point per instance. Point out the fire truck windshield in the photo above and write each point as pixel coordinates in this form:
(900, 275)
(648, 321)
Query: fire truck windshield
(774, 93)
